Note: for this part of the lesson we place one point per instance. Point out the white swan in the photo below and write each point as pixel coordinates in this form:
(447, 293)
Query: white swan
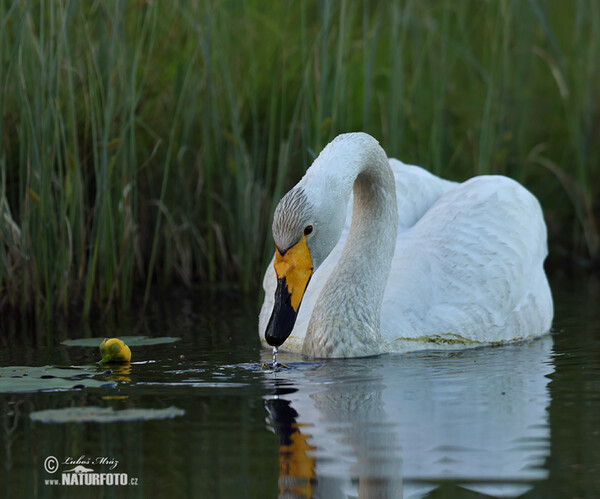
(424, 263)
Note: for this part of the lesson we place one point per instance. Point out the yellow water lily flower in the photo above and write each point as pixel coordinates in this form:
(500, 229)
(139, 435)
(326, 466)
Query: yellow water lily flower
(114, 350)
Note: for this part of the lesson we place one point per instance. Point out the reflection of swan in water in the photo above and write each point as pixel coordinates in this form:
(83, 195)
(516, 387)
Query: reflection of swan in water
(401, 426)
(425, 260)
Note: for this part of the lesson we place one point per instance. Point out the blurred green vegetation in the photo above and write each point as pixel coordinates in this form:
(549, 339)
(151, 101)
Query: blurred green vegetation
(147, 143)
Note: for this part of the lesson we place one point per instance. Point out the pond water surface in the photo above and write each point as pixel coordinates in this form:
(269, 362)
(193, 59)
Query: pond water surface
(521, 420)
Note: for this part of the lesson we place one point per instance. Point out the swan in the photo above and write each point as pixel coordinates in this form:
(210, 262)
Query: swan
(375, 256)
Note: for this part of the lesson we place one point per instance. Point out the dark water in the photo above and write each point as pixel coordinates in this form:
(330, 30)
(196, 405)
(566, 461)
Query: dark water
(516, 421)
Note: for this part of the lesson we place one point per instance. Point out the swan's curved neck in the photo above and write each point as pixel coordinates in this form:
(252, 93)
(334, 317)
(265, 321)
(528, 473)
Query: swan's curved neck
(345, 321)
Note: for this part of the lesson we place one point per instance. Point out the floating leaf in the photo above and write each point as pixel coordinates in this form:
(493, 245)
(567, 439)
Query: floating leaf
(132, 341)
(94, 414)
(20, 379)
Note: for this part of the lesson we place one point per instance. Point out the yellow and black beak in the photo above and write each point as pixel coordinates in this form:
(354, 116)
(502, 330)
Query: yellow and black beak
(294, 269)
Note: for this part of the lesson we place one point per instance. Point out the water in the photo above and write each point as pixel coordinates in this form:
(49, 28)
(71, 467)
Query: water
(521, 420)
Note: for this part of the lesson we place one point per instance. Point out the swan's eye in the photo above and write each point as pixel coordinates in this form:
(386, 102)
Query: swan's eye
(308, 229)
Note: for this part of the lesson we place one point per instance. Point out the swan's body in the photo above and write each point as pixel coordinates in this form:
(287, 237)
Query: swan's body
(422, 262)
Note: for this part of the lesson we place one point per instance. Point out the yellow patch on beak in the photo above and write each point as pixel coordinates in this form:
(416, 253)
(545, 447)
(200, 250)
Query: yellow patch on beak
(295, 265)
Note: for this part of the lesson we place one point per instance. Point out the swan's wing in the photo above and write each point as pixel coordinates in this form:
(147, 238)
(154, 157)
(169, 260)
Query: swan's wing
(471, 267)
(416, 191)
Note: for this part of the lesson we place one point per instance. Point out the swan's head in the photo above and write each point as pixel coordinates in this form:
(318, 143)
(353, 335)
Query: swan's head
(307, 224)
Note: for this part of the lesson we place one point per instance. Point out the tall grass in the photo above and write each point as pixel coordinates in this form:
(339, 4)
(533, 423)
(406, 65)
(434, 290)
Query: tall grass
(147, 143)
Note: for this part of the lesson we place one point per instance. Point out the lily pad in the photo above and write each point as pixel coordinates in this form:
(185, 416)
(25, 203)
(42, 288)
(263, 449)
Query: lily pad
(132, 341)
(93, 414)
(21, 379)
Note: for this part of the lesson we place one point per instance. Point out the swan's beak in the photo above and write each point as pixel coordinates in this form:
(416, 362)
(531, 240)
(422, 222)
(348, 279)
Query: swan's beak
(294, 269)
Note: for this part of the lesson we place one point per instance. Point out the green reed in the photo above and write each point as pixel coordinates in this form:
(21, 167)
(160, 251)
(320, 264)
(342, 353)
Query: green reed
(147, 143)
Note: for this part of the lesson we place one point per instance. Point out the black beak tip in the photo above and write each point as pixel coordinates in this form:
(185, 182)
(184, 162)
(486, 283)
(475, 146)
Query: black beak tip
(283, 317)
(280, 327)
(274, 341)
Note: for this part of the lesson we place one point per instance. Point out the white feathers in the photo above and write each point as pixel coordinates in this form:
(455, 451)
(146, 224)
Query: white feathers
(466, 265)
